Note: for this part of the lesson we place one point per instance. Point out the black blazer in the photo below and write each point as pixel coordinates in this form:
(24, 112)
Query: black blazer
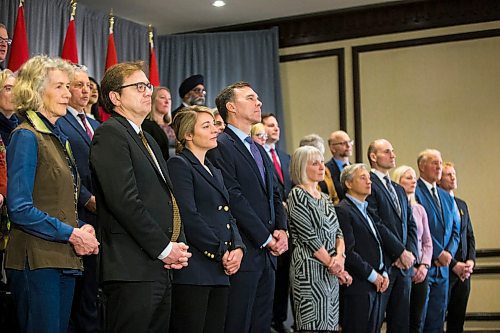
(134, 207)
(160, 137)
(286, 185)
(335, 172)
(467, 245)
(257, 207)
(362, 254)
(80, 147)
(209, 227)
(380, 202)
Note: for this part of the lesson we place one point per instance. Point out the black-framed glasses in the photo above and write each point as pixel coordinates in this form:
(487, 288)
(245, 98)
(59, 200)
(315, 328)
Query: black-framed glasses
(343, 143)
(5, 40)
(140, 86)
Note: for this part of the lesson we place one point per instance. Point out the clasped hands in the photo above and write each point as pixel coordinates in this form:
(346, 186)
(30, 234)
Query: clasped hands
(444, 259)
(231, 261)
(83, 240)
(178, 256)
(279, 243)
(405, 260)
(464, 269)
(336, 267)
(381, 283)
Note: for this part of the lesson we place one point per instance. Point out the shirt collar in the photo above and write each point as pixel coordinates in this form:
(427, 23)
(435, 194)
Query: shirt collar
(380, 174)
(362, 205)
(270, 146)
(427, 184)
(340, 163)
(136, 128)
(239, 133)
(74, 112)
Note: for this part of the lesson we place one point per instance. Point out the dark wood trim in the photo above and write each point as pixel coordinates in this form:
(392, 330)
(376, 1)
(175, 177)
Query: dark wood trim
(483, 316)
(340, 54)
(374, 20)
(487, 253)
(482, 270)
(356, 50)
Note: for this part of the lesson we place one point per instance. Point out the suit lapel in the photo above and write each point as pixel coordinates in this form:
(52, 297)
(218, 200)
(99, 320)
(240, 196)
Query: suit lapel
(377, 182)
(240, 146)
(428, 196)
(76, 125)
(363, 219)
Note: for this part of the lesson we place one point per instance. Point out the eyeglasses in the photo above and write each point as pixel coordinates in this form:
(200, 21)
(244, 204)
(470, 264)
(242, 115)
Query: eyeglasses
(343, 143)
(5, 40)
(261, 135)
(199, 91)
(140, 86)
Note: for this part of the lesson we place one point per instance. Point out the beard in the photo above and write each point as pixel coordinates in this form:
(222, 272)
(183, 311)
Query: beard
(197, 101)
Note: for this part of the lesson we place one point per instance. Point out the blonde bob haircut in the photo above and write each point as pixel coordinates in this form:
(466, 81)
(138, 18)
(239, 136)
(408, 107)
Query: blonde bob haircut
(168, 117)
(184, 123)
(257, 128)
(32, 79)
(4, 75)
(298, 165)
(398, 173)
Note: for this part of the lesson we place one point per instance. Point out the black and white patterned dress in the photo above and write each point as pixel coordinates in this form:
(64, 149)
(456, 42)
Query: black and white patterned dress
(313, 223)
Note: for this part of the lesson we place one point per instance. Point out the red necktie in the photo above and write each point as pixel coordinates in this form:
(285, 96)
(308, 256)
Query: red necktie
(86, 125)
(277, 165)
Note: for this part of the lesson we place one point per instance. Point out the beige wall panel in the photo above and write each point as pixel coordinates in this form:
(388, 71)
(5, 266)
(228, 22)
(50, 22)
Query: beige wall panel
(484, 293)
(310, 98)
(444, 96)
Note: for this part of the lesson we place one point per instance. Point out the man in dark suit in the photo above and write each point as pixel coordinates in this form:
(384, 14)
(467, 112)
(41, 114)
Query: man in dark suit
(366, 240)
(390, 203)
(462, 265)
(80, 129)
(136, 212)
(444, 226)
(281, 163)
(257, 207)
(341, 148)
(192, 92)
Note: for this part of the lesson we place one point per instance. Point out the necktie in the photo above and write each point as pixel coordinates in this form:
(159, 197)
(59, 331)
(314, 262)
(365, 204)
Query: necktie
(436, 200)
(393, 195)
(277, 165)
(86, 125)
(175, 208)
(257, 157)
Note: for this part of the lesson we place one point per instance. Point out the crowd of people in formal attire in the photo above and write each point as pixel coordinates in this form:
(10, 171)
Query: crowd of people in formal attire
(119, 215)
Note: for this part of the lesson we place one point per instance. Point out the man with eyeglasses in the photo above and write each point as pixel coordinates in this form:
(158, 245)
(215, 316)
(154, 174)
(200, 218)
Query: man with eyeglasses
(4, 45)
(281, 162)
(138, 218)
(341, 148)
(80, 129)
(192, 92)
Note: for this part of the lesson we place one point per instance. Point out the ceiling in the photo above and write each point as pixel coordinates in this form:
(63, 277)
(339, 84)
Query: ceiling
(175, 16)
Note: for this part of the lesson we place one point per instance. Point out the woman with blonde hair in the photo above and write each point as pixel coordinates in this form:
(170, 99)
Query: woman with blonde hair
(318, 257)
(200, 292)
(158, 123)
(258, 133)
(407, 178)
(46, 239)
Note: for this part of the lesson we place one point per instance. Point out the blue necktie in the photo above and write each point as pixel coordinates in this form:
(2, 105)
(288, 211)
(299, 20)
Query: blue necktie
(257, 157)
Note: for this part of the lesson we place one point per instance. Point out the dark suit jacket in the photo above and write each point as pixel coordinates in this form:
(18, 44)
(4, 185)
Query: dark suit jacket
(335, 172)
(209, 227)
(80, 146)
(256, 205)
(467, 245)
(174, 112)
(380, 202)
(286, 185)
(134, 206)
(362, 254)
(444, 226)
(160, 137)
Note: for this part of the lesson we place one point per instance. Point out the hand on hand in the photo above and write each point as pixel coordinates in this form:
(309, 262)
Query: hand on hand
(444, 258)
(345, 278)
(231, 261)
(279, 243)
(419, 274)
(83, 240)
(178, 256)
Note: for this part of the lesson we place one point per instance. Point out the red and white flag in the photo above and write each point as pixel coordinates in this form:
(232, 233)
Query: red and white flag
(69, 50)
(111, 58)
(19, 52)
(154, 76)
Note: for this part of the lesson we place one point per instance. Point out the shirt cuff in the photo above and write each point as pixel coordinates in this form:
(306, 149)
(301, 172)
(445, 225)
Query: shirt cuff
(165, 252)
(373, 276)
(267, 241)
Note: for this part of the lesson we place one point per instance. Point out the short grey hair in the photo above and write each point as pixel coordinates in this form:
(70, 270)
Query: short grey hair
(348, 173)
(313, 140)
(299, 161)
(424, 155)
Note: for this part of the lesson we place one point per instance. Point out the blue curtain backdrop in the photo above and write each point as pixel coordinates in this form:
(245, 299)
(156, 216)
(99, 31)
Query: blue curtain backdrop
(224, 58)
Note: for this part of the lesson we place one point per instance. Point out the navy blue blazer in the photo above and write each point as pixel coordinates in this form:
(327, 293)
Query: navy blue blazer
(467, 245)
(286, 185)
(444, 226)
(256, 205)
(209, 227)
(80, 146)
(362, 254)
(335, 172)
(380, 202)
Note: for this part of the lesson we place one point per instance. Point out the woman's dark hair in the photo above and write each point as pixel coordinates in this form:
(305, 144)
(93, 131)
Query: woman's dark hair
(94, 109)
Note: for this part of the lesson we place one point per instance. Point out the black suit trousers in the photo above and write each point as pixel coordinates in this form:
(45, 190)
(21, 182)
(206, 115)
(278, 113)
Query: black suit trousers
(143, 306)
(396, 302)
(457, 304)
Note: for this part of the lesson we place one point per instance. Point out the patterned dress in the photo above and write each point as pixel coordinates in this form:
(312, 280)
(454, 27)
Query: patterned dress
(313, 223)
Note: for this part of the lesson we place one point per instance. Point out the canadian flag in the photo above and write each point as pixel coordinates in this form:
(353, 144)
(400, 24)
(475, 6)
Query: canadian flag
(19, 52)
(69, 50)
(111, 58)
(154, 77)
